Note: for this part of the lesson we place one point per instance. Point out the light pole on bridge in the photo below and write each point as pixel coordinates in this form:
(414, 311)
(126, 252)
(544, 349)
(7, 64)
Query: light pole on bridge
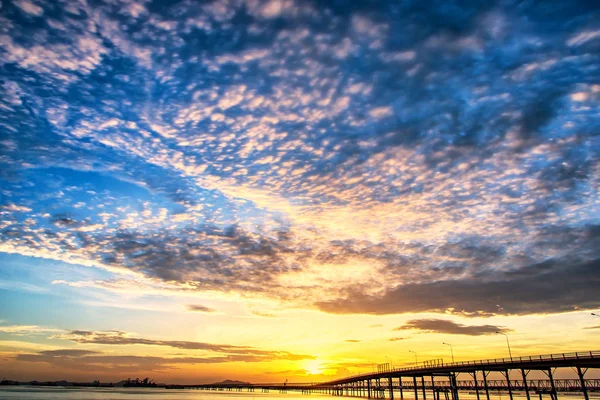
(389, 361)
(507, 343)
(416, 360)
(451, 350)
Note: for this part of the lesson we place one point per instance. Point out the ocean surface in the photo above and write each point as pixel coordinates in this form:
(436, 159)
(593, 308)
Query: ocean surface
(70, 393)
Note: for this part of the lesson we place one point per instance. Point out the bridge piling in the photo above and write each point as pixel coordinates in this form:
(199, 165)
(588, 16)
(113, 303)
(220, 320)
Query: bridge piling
(553, 392)
(400, 388)
(485, 384)
(525, 385)
(474, 373)
(581, 375)
(454, 386)
(391, 385)
(416, 387)
(423, 383)
(506, 374)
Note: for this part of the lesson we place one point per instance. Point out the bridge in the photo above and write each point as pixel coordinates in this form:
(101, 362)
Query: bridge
(442, 379)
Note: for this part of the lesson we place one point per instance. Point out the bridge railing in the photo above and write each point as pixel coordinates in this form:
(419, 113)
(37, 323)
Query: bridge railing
(544, 357)
(494, 361)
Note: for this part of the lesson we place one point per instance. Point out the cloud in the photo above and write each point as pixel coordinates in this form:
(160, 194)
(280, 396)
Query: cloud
(583, 37)
(29, 7)
(395, 339)
(381, 112)
(530, 290)
(67, 353)
(445, 326)
(14, 207)
(119, 338)
(264, 314)
(197, 307)
(27, 329)
(592, 327)
(84, 360)
(352, 341)
(392, 152)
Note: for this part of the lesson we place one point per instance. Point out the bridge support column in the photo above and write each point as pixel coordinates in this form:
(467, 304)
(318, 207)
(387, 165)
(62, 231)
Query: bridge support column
(507, 375)
(391, 384)
(525, 385)
(400, 387)
(416, 388)
(423, 383)
(581, 374)
(485, 384)
(553, 392)
(454, 386)
(476, 384)
(369, 388)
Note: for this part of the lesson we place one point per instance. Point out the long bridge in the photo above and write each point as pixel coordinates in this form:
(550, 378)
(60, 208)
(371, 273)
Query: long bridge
(440, 379)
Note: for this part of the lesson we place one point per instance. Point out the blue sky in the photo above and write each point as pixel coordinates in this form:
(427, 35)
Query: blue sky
(259, 157)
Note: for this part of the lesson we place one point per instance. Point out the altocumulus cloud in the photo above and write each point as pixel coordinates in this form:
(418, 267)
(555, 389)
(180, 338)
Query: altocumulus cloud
(410, 159)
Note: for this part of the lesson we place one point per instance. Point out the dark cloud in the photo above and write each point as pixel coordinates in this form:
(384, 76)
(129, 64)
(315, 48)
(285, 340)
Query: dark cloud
(549, 287)
(119, 338)
(395, 339)
(434, 325)
(96, 361)
(352, 340)
(197, 307)
(67, 353)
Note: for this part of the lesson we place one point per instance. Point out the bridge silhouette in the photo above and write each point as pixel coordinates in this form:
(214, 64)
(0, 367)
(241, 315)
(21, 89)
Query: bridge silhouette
(442, 379)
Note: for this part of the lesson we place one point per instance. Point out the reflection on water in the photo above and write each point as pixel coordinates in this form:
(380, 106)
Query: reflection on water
(60, 393)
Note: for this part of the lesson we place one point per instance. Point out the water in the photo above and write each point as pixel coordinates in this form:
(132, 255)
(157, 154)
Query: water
(73, 393)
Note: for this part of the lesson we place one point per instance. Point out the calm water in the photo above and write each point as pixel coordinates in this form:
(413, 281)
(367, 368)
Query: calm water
(59, 393)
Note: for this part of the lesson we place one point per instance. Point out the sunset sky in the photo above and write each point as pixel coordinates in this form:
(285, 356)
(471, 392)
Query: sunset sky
(294, 189)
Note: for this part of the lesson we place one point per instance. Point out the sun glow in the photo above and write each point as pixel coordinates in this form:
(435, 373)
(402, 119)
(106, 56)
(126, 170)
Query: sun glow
(313, 367)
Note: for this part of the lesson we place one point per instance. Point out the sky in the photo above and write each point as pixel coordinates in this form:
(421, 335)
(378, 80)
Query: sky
(294, 189)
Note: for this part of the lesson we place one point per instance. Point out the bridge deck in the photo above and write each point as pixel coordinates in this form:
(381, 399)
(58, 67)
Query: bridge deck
(443, 379)
(588, 359)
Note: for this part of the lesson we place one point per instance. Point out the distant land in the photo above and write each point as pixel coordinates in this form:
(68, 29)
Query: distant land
(230, 382)
(123, 383)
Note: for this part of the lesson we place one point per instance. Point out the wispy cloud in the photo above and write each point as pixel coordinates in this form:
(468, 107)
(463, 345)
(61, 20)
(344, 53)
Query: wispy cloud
(435, 325)
(97, 361)
(200, 308)
(27, 329)
(119, 338)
